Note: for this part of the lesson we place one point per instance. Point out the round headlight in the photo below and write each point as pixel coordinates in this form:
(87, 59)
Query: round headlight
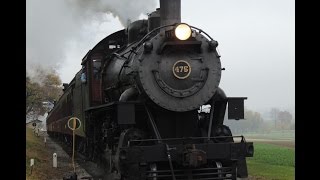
(182, 31)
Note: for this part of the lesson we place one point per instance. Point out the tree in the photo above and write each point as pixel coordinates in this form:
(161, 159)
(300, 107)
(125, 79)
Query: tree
(43, 86)
(34, 96)
(253, 123)
(255, 120)
(52, 87)
(284, 120)
(274, 115)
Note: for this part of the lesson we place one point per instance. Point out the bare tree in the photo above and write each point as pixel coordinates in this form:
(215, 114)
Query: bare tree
(274, 115)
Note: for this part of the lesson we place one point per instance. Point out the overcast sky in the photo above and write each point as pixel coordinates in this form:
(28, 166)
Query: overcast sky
(256, 39)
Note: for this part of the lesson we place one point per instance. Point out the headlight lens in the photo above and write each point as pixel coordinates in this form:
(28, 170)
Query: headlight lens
(182, 31)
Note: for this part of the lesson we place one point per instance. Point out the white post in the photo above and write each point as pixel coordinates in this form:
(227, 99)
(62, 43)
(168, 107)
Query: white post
(31, 164)
(45, 141)
(55, 162)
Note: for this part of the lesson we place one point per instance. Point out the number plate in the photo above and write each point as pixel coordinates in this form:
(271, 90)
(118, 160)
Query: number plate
(181, 69)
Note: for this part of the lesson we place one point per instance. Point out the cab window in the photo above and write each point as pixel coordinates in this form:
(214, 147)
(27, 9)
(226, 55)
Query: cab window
(96, 68)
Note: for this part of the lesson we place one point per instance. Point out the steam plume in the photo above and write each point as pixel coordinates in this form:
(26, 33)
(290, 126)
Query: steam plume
(123, 9)
(61, 29)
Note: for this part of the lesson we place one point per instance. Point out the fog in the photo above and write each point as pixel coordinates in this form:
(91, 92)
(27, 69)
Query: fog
(256, 40)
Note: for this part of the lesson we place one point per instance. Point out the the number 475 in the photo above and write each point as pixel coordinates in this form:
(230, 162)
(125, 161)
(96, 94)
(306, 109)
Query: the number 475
(181, 69)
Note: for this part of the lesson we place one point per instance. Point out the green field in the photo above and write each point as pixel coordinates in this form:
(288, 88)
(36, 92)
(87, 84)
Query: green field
(286, 134)
(272, 162)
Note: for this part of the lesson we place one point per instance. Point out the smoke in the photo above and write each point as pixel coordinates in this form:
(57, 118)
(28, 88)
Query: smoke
(60, 32)
(125, 10)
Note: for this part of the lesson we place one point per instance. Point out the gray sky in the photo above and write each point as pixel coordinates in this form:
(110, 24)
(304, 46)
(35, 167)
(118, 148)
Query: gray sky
(256, 40)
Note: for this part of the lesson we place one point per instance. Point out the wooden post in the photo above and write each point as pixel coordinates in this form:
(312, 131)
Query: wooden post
(74, 127)
(73, 122)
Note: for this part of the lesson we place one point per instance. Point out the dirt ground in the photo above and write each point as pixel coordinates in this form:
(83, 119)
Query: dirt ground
(64, 165)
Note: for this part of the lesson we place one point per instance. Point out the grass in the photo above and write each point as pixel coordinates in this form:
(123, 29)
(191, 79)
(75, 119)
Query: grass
(286, 134)
(35, 149)
(272, 162)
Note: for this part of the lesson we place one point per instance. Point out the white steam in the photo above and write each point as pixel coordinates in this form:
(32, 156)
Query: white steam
(57, 30)
(125, 10)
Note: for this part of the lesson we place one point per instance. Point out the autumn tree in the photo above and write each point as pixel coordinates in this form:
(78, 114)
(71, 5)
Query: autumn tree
(284, 120)
(34, 96)
(51, 87)
(43, 86)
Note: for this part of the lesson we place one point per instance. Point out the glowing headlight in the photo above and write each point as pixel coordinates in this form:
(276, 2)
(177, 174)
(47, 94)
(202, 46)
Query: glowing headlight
(182, 31)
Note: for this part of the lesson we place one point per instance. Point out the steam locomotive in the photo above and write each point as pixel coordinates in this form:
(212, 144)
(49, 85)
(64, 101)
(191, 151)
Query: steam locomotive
(139, 96)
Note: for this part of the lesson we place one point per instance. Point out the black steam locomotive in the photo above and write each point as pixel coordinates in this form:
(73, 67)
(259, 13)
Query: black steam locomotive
(139, 95)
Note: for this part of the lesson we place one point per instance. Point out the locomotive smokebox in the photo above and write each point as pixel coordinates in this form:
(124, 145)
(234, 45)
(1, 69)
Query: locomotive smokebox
(170, 12)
